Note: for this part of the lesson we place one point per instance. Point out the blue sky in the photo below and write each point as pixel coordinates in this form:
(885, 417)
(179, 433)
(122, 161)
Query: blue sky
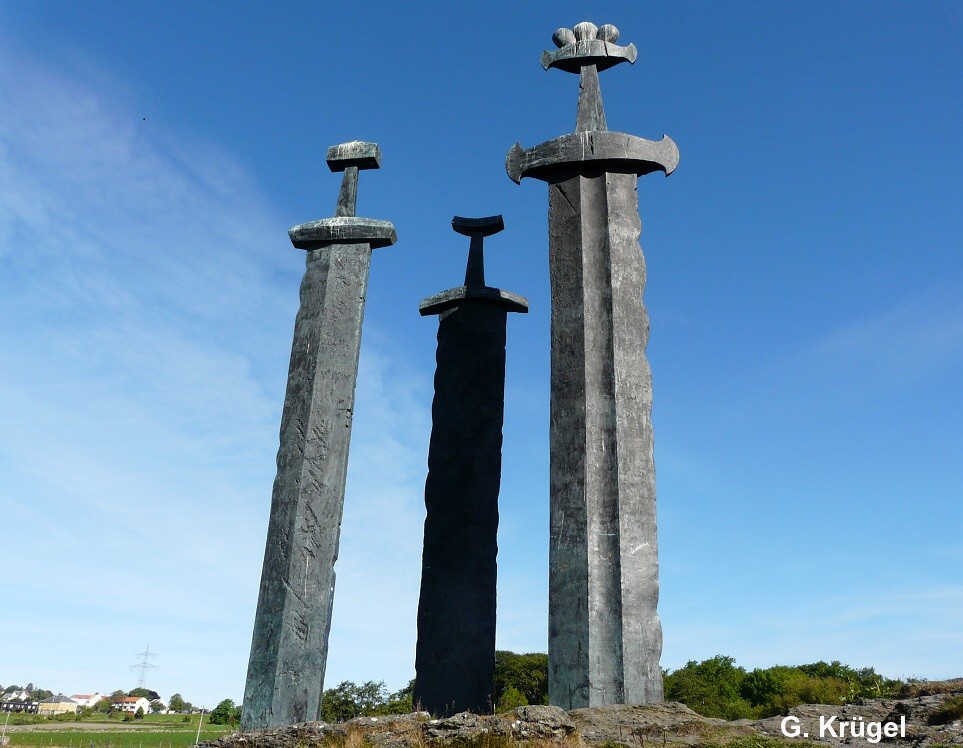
(805, 292)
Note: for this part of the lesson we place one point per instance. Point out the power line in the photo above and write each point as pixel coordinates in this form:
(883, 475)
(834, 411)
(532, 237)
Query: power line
(144, 665)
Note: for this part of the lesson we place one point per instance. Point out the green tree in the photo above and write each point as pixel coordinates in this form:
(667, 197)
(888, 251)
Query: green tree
(139, 714)
(511, 698)
(348, 700)
(711, 687)
(526, 673)
(145, 692)
(341, 703)
(176, 703)
(157, 706)
(761, 687)
(399, 702)
(226, 713)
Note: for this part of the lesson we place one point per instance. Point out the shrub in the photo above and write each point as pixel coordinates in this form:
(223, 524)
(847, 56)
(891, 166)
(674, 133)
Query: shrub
(951, 711)
(511, 698)
(226, 713)
(711, 687)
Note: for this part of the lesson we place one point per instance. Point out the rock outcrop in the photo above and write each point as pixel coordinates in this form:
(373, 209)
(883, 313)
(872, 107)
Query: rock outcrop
(648, 726)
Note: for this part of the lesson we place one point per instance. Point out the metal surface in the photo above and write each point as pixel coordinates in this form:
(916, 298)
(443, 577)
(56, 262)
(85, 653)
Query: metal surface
(605, 638)
(455, 654)
(285, 676)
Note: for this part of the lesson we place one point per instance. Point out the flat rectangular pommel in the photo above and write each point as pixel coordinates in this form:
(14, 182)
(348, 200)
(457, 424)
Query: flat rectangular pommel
(356, 153)
(478, 226)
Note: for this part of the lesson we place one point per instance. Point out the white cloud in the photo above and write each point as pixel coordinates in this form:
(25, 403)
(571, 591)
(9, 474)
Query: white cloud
(139, 304)
(139, 438)
(916, 337)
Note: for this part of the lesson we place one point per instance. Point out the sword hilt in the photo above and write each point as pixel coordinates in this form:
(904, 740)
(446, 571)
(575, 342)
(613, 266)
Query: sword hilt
(477, 229)
(474, 289)
(588, 49)
(349, 158)
(346, 227)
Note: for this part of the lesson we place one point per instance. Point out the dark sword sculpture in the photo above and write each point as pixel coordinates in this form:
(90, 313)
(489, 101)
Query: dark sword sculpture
(455, 658)
(289, 649)
(604, 637)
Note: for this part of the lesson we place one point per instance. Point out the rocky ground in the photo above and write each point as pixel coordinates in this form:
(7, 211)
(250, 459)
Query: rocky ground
(669, 725)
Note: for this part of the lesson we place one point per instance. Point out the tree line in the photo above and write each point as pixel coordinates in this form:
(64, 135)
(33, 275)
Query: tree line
(715, 687)
(176, 703)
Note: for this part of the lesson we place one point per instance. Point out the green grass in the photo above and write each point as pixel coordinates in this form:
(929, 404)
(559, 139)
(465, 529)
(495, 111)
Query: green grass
(153, 731)
(115, 738)
(757, 741)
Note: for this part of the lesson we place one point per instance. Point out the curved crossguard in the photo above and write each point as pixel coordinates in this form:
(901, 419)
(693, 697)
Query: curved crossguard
(474, 288)
(345, 227)
(586, 49)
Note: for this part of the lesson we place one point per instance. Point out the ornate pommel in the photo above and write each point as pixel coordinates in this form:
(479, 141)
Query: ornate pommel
(477, 226)
(587, 44)
(345, 227)
(474, 288)
(586, 49)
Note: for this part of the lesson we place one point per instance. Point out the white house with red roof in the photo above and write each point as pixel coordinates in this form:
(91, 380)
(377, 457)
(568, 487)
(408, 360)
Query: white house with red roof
(87, 699)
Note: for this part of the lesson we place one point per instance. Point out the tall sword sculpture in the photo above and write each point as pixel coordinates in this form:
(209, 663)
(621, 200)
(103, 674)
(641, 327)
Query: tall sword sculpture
(285, 675)
(455, 655)
(604, 635)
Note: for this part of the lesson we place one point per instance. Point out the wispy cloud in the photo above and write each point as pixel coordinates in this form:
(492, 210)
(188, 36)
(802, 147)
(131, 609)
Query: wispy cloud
(148, 294)
(918, 336)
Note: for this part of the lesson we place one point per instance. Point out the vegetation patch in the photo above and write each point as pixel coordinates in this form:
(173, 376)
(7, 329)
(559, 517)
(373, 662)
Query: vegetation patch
(951, 711)
(756, 741)
(113, 738)
(717, 687)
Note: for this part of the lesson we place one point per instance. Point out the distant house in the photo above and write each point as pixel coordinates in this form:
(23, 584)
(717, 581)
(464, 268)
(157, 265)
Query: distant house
(18, 701)
(132, 704)
(58, 704)
(87, 699)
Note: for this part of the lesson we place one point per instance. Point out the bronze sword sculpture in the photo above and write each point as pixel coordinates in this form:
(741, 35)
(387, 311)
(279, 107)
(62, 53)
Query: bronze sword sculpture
(604, 637)
(289, 649)
(455, 655)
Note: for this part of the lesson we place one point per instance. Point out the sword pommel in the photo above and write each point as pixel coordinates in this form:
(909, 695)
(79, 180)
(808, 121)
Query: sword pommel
(356, 153)
(587, 44)
(478, 226)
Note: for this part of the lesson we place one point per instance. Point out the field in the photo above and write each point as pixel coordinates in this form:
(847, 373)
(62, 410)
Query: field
(154, 731)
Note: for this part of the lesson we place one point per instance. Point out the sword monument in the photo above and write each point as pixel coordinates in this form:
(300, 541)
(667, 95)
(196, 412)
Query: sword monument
(455, 653)
(289, 649)
(604, 638)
